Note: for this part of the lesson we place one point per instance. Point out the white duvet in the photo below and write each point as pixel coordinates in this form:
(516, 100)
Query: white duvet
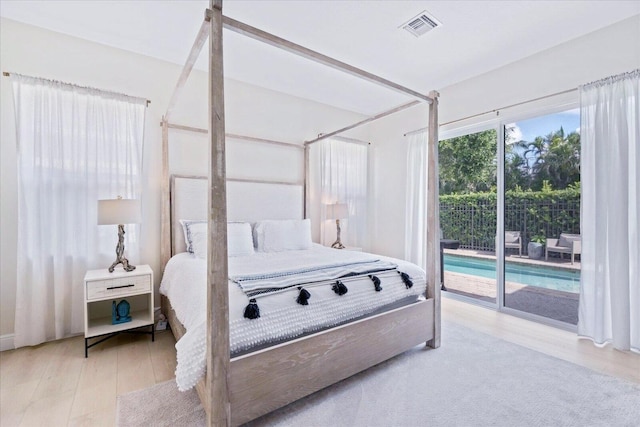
(281, 318)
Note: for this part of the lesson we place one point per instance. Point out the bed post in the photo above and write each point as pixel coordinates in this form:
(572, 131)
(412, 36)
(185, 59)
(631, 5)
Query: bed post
(218, 355)
(165, 210)
(433, 221)
(165, 214)
(306, 181)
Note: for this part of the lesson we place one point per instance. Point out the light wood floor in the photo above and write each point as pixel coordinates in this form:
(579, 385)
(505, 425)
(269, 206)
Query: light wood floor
(54, 385)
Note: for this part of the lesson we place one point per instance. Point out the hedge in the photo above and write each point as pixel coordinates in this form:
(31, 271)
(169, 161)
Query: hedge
(471, 218)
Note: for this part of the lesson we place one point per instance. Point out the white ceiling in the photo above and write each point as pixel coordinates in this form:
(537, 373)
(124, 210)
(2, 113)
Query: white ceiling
(475, 37)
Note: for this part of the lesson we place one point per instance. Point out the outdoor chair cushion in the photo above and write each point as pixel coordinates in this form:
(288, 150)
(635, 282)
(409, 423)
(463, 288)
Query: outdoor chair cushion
(511, 236)
(566, 240)
(563, 249)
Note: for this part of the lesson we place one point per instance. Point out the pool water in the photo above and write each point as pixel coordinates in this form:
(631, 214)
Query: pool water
(532, 275)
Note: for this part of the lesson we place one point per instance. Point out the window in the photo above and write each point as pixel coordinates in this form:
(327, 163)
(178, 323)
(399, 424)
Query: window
(75, 146)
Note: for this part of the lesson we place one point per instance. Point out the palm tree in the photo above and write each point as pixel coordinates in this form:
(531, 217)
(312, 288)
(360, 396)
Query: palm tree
(516, 168)
(554, 158)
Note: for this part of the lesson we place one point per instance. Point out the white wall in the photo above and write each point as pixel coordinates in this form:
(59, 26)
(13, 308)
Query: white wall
(250, 111)
(262, 113)
(612, 50)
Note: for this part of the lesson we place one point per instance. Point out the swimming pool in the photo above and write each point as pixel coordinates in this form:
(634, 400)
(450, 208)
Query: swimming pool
(532, 275)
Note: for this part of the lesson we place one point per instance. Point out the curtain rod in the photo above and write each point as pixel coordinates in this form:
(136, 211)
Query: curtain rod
(496, 110)
(349, 140)
(7, 74)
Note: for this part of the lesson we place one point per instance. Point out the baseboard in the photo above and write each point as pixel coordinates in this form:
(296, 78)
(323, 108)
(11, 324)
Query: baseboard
(6, 342)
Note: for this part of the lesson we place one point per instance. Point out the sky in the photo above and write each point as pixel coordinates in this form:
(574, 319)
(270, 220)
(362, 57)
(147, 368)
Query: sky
(528, 130)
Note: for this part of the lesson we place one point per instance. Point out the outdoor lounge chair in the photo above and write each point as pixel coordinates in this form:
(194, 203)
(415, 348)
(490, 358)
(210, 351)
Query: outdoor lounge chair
(512, 240)
(566, 244)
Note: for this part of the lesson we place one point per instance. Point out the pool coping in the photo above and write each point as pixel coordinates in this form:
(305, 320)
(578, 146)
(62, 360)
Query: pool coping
(554, 264)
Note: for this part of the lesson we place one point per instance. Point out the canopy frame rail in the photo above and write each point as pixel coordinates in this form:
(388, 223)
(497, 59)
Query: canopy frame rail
(198, 44)
(279, 42)
(235, 136)
(363, 122)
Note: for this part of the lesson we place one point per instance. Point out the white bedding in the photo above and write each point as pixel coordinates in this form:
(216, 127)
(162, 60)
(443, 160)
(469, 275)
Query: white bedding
(281, 318)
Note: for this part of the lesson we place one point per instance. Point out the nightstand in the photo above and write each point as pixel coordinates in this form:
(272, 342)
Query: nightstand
(102, 289)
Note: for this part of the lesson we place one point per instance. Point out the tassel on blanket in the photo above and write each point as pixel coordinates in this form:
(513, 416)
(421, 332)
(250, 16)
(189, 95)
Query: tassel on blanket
(406, 279)
(376, 282)
(252, 311)
(303, 297)
(339, 288)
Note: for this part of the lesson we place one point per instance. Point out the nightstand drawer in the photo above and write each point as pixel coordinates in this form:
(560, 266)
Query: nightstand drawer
(109, 288)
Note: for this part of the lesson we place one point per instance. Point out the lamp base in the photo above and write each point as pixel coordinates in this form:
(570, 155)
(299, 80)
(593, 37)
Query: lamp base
(120, 259)
(338, 245)
(125, 265)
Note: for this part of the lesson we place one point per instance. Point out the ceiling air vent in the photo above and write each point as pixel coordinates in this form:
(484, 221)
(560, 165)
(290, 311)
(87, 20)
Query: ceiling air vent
(421, 24)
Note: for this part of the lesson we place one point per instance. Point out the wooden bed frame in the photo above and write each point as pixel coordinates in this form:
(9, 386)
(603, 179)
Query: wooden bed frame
(240, 389)
(268, 379)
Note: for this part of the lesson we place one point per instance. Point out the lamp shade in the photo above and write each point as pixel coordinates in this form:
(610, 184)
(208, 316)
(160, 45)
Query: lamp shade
(337, 211)
(118, 211)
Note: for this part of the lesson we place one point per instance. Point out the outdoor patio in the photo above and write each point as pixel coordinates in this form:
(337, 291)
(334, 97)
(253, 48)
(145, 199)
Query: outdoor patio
(554, 304)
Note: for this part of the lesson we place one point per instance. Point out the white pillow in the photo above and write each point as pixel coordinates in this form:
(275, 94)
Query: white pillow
(239, 238)
(193, 229)
(284, 235)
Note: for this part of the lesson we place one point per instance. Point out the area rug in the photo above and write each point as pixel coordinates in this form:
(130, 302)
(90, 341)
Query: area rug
(472, 380)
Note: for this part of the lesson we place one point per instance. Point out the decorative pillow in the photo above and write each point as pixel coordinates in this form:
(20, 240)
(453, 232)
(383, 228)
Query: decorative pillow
(566, 240)
(511, 236)
(192, 228)
(239, 238)
(284, 235)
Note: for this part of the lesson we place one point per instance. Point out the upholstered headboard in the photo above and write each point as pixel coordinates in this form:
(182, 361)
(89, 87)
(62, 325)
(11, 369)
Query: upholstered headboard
(247, 201)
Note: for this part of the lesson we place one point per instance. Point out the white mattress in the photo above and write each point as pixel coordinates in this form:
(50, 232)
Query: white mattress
(281, 318)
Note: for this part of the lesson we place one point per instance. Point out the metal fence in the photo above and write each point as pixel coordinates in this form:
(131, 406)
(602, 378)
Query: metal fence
(472, 221)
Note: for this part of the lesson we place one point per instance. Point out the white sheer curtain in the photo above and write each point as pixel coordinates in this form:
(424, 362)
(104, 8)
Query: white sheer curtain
(344, 178)
(416, 191)
(610, 138)
(75, 145)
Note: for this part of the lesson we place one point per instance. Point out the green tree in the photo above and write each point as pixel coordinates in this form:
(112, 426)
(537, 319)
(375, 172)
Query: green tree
(516, 168)
(554, 158)
(468, 163)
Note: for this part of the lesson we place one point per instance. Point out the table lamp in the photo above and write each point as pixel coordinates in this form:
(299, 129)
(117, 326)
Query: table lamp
(337, 211)
(119, 211)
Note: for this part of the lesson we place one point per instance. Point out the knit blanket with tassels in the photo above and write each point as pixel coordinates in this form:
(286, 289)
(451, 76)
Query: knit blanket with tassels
(262, 284)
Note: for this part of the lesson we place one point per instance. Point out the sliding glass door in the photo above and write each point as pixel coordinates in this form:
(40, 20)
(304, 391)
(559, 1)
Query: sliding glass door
(468, 214)
(542, 215)
(528, 188)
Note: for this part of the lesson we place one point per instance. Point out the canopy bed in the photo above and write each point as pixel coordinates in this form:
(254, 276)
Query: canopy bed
(243, 382)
